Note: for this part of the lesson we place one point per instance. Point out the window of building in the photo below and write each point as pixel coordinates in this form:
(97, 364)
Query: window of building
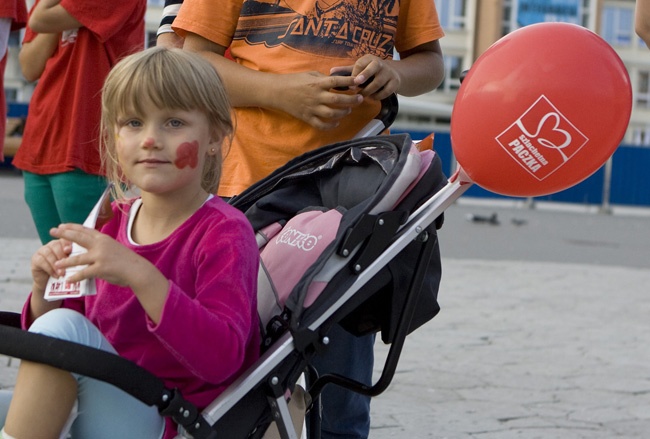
(618, 25)
(508, 24)
(587, 16)
(571, 11)
(451, 13)
(643, 89)
(11, 94)
(641, 135)
(453, 70)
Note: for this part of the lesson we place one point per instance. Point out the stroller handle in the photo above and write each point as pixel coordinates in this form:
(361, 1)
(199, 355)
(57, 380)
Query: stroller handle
(389, 109)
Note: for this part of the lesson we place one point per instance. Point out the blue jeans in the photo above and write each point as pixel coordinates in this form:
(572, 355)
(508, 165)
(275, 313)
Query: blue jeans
(105, 412)
(346, 415)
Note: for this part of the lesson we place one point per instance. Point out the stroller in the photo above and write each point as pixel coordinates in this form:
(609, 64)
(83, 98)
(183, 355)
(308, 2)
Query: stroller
(347, 235)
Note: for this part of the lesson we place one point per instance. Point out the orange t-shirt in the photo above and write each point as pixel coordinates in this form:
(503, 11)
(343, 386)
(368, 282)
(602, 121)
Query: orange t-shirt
(293, 36)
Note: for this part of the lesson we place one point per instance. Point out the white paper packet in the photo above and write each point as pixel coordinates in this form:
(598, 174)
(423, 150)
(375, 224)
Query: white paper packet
(59, 288)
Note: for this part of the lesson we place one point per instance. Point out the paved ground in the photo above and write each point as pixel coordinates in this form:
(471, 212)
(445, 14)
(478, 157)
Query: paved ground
(543, 332)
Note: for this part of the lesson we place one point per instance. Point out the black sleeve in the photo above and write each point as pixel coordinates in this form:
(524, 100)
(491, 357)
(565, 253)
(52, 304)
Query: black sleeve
(169, 13)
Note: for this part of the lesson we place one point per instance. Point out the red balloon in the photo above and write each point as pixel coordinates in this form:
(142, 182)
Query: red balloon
(541, 110)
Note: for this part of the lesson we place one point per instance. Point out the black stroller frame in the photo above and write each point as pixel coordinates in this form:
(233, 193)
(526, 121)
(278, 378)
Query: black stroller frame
(364, 249)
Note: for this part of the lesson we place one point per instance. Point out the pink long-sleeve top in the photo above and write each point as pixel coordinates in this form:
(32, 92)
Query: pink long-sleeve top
(209, 330)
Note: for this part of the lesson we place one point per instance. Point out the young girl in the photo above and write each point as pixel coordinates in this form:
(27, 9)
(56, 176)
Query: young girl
(176, 268)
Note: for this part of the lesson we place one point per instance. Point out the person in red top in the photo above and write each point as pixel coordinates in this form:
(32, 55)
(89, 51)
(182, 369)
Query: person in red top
(13, 16)
(70, 46)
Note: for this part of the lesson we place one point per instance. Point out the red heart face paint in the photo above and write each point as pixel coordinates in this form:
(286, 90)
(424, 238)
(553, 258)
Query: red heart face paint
(187, 154)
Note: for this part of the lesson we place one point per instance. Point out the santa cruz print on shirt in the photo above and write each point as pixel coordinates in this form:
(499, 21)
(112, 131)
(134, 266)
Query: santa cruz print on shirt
(336, 28)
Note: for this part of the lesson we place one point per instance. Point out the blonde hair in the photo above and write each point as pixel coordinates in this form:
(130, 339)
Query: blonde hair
(170, 79)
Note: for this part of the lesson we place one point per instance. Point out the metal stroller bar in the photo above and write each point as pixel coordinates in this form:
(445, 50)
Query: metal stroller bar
(280, 410)
(265, 366)
(416, 223)
(385, 118)
(390, 365)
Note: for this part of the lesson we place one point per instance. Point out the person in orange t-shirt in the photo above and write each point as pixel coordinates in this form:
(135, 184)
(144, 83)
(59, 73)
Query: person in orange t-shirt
(69, 47)
(280, 84)
(286, 104)
(13, 16)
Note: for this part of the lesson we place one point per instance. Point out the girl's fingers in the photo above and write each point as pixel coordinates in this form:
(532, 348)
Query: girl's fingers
(45, 260)
(72, 261)
(74, 233)
(69, 234)
(41, 262)
(79, 275)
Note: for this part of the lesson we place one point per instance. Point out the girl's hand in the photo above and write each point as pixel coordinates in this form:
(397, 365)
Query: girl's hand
(312, 98)
(109, 260)
(43, 264)
(105, 258)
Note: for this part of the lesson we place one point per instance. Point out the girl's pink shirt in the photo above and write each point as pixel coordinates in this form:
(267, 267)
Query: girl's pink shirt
(209, 331)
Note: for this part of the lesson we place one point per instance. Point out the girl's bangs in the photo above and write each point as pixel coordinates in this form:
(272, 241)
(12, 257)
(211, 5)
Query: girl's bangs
(149, 86)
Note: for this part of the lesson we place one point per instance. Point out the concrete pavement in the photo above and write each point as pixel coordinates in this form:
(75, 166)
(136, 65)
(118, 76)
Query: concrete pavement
(526, 350)
(543, 331)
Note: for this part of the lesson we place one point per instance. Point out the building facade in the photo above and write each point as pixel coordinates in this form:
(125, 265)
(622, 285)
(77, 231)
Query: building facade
(471, 26)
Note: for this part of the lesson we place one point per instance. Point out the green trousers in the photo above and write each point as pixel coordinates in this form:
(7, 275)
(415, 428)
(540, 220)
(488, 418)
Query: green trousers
(67, 197)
